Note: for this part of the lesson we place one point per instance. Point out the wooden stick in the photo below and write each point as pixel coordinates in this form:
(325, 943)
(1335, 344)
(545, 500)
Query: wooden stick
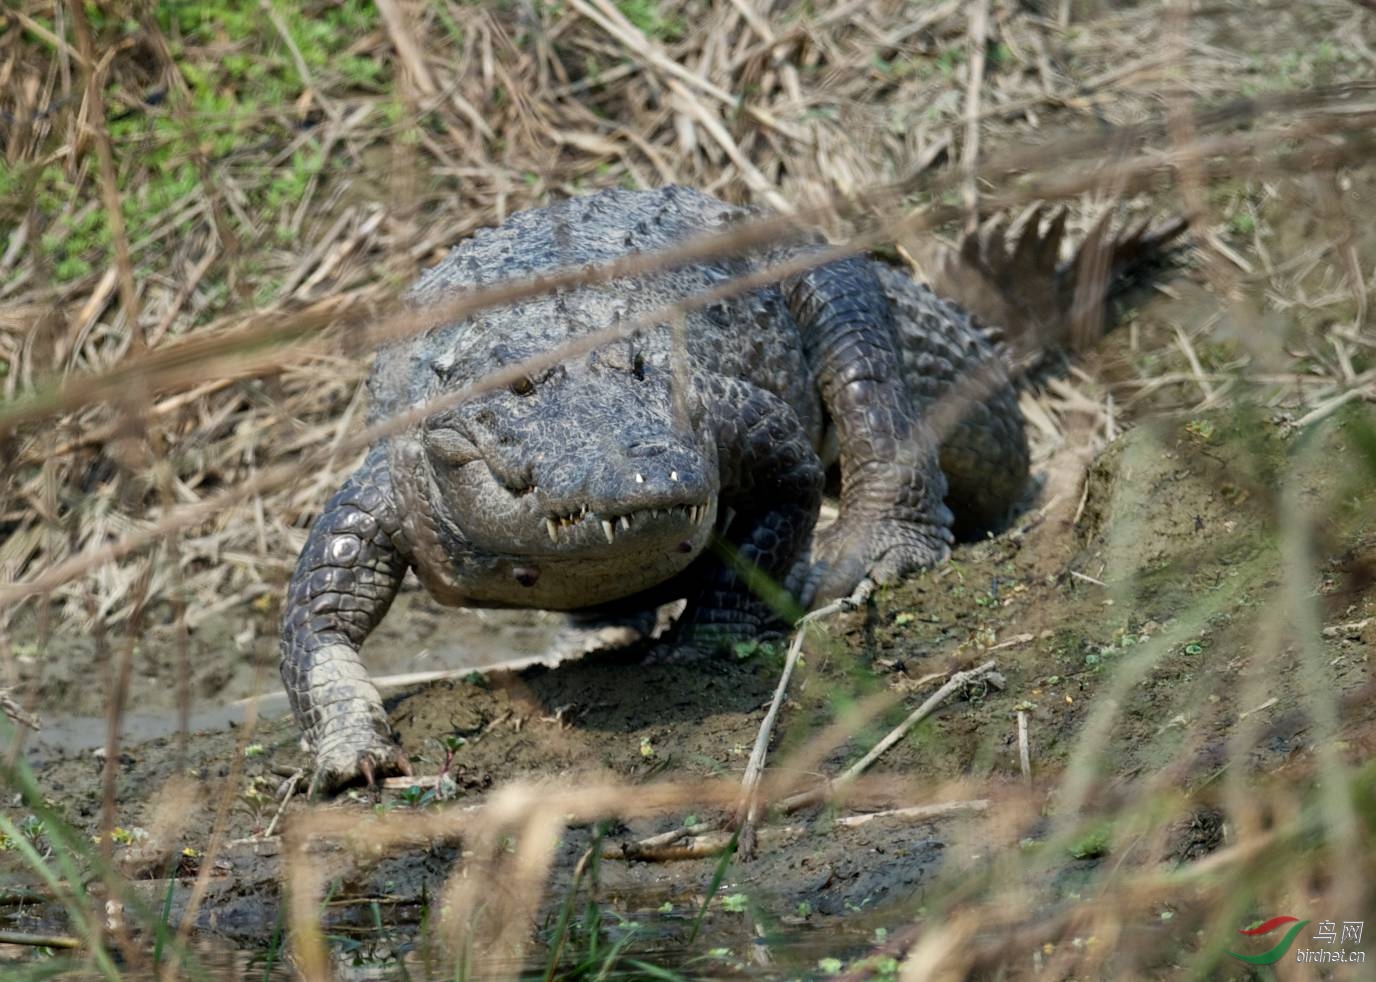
(40, 940)
(708, 844)
(754, 768)
(957, 681)
(18, 713)
(291, 783)
(918, 812)
(711, 840)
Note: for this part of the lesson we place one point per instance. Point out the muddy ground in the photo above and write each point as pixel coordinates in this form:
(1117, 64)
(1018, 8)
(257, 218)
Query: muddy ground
(1152, 582)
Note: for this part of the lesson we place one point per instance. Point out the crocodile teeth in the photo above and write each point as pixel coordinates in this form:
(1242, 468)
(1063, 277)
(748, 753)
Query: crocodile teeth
(608, 530)
(552, 529)
(625, 522)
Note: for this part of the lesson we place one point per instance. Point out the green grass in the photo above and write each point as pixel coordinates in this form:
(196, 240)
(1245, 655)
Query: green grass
(242, 84)
(649, 17)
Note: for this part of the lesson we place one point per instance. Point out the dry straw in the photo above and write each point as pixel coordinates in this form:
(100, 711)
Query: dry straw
(199, 386)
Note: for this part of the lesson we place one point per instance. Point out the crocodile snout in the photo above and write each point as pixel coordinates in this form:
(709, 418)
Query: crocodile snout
(641, 481)
(589, 462)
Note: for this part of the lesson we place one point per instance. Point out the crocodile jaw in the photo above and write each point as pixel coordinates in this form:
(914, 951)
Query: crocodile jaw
(474, 543)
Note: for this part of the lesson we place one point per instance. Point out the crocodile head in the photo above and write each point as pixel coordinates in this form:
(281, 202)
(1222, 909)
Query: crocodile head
(578, 485)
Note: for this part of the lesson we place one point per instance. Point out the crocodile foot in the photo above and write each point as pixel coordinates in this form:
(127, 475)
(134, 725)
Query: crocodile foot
(348, 728)
(366, 763)
(882, 551)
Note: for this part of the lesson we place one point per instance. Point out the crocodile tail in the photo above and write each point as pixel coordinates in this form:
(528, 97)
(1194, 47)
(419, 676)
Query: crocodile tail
(1015, 283)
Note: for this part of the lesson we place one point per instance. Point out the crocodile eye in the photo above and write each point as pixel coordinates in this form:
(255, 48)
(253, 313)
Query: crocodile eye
(523, 386)
(638, 367)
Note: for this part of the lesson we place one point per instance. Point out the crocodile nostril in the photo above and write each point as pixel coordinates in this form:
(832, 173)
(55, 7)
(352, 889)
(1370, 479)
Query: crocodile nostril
(517, 481)
(647, 448)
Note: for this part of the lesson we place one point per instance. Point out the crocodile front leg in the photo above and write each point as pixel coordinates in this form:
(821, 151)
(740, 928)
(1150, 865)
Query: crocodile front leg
(345, 579)
(892, 518)
(771, 490)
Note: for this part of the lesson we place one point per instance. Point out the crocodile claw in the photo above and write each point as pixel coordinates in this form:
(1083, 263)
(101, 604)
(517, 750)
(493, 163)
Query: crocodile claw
(398, 763)
(366, 762)
(881, 552)
(368, 768)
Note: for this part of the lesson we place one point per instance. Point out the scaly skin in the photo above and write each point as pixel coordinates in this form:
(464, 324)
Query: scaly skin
(600, 483)
(893, 519)
(345, 580)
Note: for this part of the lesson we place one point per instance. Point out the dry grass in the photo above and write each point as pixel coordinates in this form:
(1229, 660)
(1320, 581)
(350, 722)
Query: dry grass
(883, 104)
(204, 223)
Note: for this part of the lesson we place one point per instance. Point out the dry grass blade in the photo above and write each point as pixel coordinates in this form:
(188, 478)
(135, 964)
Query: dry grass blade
(979, 30)
(407, 50)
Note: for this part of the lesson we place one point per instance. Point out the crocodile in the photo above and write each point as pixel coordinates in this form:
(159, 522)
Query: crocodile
(684, 460)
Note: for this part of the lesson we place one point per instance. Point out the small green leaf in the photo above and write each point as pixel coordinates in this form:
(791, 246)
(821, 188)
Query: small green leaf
(734, 903)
